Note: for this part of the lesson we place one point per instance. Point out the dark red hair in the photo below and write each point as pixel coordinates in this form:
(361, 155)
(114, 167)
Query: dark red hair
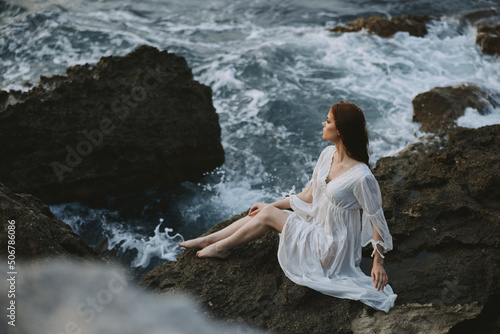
(351, 124)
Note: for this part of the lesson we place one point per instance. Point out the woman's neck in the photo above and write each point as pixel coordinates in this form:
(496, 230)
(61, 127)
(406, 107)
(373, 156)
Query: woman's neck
(341, 152)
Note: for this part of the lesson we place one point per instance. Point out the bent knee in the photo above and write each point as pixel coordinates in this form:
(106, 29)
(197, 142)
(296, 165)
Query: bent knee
(270, 216)
(267, 211)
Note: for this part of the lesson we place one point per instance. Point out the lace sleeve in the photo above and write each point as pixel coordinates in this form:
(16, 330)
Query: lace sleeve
(367, 192)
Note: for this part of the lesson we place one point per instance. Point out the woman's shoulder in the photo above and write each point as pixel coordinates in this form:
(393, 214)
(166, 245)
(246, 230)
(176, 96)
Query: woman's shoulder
(328, 149)
(326, 154)
(364, 176)
(360, 171)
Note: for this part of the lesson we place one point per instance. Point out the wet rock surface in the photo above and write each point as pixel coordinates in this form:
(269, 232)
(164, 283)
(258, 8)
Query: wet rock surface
(443, 209)
(488, 38)
(488, 29)
(438, 109)
(122, 126)
(387, 27)
(250, 286)
(38, 234)
(441, 201)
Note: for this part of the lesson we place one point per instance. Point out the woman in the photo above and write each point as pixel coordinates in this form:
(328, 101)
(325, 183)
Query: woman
(321, 240)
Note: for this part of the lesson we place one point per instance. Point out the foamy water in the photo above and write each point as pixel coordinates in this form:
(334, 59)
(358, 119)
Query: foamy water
(274, 71)
(473, 119)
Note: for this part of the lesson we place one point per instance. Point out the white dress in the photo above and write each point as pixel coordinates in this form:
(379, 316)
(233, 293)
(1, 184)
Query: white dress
(320, 244)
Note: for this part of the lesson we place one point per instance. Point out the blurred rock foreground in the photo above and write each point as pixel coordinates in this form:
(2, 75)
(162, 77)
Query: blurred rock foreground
(67, 297)
(122, 126)
(441, 198)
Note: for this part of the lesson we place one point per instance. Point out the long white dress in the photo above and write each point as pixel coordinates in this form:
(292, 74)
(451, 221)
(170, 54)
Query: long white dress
(320, 244)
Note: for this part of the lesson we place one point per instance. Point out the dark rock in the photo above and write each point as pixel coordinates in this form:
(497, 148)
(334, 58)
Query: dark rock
(124, 125)
(443, 210)
(488, 39)
(38, 234)
(438, 108)
(251, 285)
(385, 27)
(488, 30)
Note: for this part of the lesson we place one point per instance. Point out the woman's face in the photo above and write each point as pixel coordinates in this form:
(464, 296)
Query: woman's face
(330, 131)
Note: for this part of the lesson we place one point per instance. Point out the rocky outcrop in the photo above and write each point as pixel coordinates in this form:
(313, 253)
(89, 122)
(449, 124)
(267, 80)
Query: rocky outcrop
(443, 208)
(441, 201)
(251, 286)
(488, 39)
(488, 30)
(387, 27)
(124, 125)
(35, 233)
(438, 109)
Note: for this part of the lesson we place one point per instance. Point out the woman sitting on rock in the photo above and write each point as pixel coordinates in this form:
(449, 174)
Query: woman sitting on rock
(321, 239)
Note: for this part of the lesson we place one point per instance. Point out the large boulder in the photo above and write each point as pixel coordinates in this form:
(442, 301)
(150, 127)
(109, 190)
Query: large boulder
(488, 29)
(438, 109)
(387, 27)
(124, 125)
(442, 202)
(35, 234)
(442, 206)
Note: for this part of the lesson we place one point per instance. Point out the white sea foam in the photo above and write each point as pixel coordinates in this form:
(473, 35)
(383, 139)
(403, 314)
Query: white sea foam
(120, 235)
(161, 244)
(473, 119)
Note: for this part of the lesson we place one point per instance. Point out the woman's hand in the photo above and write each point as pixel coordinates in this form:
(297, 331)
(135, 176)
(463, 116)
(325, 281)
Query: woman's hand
(379, 276)
(256, 208)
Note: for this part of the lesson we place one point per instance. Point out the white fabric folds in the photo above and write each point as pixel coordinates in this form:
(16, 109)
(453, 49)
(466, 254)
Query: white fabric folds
(320, 244)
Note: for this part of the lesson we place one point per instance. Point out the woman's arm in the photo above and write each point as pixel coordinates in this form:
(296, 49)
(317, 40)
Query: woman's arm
(282, 204)
(379, 276)
(305, 195)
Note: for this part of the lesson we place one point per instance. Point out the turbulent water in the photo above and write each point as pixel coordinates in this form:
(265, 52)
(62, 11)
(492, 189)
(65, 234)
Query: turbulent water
(274, 71)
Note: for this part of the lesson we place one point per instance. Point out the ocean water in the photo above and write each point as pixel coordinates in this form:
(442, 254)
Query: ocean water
(274, 72)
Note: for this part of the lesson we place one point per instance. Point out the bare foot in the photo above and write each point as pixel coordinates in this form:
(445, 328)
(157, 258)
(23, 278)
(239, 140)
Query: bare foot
(212, 251)
(200, 242)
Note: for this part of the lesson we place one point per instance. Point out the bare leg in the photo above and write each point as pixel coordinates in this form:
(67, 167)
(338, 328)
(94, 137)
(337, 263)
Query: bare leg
(205, 241)
(267, 219)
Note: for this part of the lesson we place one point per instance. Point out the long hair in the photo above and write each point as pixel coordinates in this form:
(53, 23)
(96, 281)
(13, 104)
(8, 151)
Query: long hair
(351, 124)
